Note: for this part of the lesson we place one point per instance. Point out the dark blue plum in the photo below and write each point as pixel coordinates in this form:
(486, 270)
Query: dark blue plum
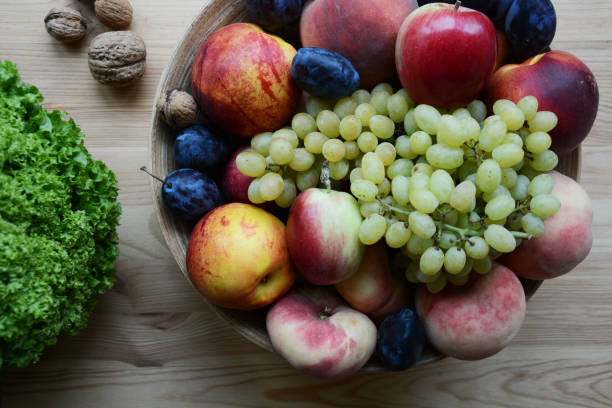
(200, 148)
(530, 27)
(400, 340)
(190, 194)
(274, 15)
(495, 9)
(324, 73)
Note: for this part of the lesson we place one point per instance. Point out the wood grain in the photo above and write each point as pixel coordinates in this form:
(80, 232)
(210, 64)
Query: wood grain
(152, 342)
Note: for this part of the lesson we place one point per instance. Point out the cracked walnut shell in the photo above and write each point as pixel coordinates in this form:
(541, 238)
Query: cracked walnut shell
(117, 58)
(65, 24)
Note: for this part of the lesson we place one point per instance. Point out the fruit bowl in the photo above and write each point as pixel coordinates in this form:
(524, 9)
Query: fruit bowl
(215, 14)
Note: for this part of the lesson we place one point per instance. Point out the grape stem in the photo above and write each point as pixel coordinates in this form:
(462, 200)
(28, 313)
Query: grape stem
(474, 148)
(463, 232)
(457, 5)
(325, 179)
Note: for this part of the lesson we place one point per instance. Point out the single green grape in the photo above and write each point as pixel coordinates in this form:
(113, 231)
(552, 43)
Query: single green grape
(543, 121)
(427, 118)
(431, 261)
(442, 185)
(344, 107)
(328, 123)
(400, 167)
(386, 152)
(397, 235)
(499, 238)
(338, 170)
(488, 175)
(476, 247)
(544, 205)
(333, 150)
(372, 229)
(251, 163)
(314, 141)
(361, 96)
(351, 150)
(450, 131)
(302, 159)
(532, 224)
(367, 142)
(364, 190)
(350, 127)
(271, 186)
(410, 125)
(364, 113)
(261, 143)
(454, 260)
(373, 168)
(303, 124)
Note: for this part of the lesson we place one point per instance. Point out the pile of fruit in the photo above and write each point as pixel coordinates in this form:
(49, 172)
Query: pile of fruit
(379, 165)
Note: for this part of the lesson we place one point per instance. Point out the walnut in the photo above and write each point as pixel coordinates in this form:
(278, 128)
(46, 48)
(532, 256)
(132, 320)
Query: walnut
(65, 24)
(116, 14)
(178, 109)
(117, 57)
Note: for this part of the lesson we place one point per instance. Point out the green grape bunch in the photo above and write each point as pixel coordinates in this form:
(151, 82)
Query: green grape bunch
(451, 190)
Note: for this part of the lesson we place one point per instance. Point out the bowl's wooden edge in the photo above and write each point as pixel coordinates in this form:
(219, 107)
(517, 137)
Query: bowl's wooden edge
(228, 11)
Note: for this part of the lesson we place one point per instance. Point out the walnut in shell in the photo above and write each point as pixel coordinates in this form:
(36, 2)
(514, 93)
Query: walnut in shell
(116, 14)
(117, 57)
(65, 24)
(178, 108)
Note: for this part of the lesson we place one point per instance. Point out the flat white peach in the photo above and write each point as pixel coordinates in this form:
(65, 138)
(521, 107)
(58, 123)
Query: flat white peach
(319, 334)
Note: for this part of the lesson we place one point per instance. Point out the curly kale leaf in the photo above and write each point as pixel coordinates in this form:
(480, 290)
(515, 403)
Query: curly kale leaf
(58, 220)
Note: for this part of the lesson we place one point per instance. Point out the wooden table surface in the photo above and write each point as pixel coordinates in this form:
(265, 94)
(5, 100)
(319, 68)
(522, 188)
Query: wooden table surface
(152, 342)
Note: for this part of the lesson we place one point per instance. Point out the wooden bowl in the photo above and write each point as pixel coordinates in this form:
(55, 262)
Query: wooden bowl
(215, 14)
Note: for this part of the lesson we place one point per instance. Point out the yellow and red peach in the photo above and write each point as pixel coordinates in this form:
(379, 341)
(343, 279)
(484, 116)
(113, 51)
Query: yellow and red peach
(562, 84)
(319, 334)
(372, 285)
(402, 295)
(477, 320)
(567, 237)
(363, 31)
(218, 267)
(241, 78)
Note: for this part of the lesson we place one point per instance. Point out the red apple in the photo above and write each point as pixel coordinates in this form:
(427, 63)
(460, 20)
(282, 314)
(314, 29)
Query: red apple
(217, 264)
(323, 235)
(562, 84)
(567, 238)
(445, 55)
(319, 334)
(241, 78)
(477, 320)
(363, 31)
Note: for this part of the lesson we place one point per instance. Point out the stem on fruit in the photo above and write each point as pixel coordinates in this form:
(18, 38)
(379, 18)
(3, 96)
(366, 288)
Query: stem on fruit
(144, 168)
(325, 180)
(325, 313)
(457, 5)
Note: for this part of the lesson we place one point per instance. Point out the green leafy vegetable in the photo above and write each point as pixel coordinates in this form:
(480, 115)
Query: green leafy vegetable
(58, 219)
